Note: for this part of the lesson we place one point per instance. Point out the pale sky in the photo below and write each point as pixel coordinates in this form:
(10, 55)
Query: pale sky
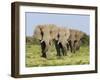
(73, 21)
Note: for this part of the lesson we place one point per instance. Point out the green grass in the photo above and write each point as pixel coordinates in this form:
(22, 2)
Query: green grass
(33, 57)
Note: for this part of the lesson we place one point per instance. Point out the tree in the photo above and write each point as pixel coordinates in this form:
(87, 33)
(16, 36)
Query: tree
(85, 40)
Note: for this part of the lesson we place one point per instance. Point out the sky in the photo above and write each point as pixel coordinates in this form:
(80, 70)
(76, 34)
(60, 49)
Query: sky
(73, 21)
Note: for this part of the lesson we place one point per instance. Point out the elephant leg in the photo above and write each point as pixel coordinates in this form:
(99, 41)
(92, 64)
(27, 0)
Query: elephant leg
(64, 49)
(77, 45)
(72, 46)
(44, 48)
(57, 48)
(68, 46)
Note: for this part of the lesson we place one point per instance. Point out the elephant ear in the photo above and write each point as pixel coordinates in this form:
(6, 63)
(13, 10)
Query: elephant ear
(72, 34)
(80, 35)
(37, 32)
(54, 32)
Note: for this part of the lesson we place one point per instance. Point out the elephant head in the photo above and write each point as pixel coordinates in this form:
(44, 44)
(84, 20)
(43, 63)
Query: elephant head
(79, 35)
(64, 34)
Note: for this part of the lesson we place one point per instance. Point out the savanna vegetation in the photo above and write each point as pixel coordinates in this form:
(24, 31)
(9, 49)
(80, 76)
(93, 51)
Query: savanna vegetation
(33, 54)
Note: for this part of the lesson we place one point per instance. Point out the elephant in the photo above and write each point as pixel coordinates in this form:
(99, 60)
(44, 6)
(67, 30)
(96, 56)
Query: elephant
(75, 39)
(79, 37)
(59, 36)
(63, 36)
(45, 33)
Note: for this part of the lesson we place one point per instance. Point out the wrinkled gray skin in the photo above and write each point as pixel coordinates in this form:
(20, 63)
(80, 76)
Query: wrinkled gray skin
(75, 40)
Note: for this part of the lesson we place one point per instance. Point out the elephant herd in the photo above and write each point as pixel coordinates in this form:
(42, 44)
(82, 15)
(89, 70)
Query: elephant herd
(64, 39)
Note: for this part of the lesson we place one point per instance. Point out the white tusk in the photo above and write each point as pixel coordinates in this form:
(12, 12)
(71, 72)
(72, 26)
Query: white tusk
(58, 42)
(42, 41)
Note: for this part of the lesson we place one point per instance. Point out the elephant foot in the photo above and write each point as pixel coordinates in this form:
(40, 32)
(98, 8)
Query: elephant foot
(44, 56)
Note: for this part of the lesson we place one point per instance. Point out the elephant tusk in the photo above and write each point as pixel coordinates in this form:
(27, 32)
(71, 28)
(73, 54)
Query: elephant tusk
(42, 41)
(58, 42)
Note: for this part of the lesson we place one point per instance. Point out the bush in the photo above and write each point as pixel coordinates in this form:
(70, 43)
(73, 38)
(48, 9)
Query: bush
(85, 40)
(31, 40)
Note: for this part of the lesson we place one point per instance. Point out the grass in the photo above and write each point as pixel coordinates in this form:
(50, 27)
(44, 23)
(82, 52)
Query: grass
(33, 57)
